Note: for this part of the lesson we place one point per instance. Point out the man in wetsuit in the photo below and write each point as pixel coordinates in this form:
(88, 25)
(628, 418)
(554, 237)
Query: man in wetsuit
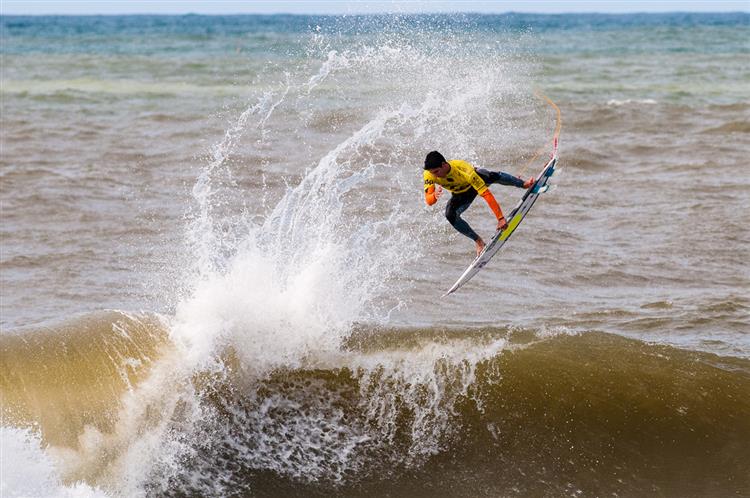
(465, 182)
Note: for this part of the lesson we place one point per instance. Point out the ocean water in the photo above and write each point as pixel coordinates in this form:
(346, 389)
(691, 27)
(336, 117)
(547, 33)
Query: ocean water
(219, 278)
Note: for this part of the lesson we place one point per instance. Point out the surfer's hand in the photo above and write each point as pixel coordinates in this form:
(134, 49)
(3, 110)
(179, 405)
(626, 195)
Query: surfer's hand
(438, 191)
(528, 183)
(501, 223)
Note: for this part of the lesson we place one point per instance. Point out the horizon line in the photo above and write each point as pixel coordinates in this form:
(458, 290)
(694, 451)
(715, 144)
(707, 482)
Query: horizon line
(344, 14)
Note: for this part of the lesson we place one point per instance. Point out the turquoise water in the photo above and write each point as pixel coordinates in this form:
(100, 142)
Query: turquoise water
(637, 55)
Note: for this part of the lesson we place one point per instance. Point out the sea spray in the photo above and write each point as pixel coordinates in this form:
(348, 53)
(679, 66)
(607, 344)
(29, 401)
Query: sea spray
(328, 254)
(287, 295)
(272, 299)
(27, 471)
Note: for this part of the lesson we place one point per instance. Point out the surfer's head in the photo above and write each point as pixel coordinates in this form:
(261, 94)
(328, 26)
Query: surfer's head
(436, 164)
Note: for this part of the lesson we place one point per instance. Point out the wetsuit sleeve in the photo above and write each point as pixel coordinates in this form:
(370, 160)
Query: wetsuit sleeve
(492, 203)
(429, 196)
(429, 191)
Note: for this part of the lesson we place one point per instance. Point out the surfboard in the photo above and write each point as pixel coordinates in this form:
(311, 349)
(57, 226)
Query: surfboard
(516, 217)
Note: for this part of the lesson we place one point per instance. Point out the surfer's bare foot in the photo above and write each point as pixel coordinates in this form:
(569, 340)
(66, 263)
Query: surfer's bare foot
(480, 246)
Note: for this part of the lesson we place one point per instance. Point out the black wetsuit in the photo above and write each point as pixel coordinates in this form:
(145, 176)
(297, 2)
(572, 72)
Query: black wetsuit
(458, 203)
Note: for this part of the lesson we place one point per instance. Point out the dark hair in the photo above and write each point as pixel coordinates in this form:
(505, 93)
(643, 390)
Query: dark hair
(434, 160)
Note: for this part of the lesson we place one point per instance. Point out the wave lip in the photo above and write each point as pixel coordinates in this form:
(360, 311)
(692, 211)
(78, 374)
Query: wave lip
(67, 376)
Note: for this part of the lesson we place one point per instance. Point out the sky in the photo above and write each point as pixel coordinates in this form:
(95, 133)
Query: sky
(82, 7)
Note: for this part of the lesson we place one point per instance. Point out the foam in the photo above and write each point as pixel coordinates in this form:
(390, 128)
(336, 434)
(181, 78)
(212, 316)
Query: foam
(26, 470)
(619, 103)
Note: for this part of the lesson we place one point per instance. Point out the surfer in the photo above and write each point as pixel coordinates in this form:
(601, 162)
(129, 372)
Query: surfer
(465, 182)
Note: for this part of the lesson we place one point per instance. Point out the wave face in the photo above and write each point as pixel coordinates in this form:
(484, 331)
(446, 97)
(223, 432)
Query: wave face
(410, 412)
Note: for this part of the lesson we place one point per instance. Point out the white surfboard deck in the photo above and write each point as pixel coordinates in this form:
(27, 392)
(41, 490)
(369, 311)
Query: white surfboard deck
(516, 216)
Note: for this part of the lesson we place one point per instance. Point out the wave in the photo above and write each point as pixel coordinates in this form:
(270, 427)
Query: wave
(475, 412)
(732, 127)
(734, 106)
(74, 89)
(81, 368)
(586, 159)
(618, 103)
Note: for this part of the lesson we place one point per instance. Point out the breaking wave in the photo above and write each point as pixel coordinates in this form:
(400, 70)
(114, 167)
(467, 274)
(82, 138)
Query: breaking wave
(395, 411)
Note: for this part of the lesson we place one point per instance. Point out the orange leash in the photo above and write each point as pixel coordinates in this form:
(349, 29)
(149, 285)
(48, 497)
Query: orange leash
(555, 136)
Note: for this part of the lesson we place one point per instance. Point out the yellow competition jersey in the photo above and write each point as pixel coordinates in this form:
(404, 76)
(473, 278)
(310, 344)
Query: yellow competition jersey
(461, 177)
